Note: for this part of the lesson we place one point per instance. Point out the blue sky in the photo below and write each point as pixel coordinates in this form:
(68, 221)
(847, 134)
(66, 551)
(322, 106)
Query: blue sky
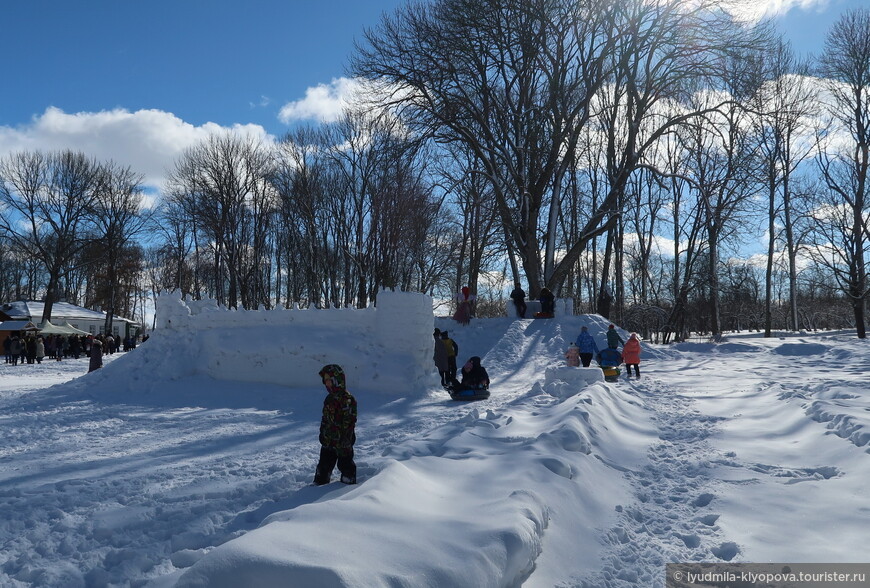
(203, 60)
(139, 81)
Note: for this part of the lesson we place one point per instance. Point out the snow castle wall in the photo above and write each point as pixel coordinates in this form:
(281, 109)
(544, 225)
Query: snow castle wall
(385, 348)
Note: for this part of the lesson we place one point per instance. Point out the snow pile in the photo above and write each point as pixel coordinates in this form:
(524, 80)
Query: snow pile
(385, 348)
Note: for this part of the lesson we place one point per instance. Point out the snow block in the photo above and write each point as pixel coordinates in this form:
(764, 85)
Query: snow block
(583, 376)
(565, 381)
(385, 348)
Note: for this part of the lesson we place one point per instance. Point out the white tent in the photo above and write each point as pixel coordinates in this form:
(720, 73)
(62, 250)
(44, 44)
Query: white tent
(73, 330)
(47, 328)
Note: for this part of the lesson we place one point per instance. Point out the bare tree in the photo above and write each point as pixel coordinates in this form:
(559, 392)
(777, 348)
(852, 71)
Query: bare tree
(722, 159)
(845, 65)
(511, 80)
(47, 205)
(782, 105)
(667, 50)
(119, 217)
(223, 185)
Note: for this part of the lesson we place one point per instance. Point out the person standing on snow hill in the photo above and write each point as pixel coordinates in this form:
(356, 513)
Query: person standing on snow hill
(452, 351)
(573, 355)
(440, 358)
(464, 306)
(613, 338)
(96, 361)
(631, 355)
(587, 345)
(337, 428)
(548, 302)
(519, 297)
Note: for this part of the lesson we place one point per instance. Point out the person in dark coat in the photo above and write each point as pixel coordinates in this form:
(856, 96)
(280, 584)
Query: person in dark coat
(96, 361)
(519, 297)
(548, 302)
(16, 348)
(439, 356)
(613, 338)
(337, 428)
(474, 375)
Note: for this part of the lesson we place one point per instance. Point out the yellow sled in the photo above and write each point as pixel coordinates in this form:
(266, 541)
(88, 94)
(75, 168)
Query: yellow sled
(611, 373)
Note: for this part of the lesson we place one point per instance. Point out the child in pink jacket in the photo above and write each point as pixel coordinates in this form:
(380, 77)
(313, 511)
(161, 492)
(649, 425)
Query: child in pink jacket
(573, 356)
(631, 355)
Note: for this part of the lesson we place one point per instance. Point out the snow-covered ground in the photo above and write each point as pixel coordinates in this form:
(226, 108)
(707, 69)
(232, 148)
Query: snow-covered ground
(150, 473)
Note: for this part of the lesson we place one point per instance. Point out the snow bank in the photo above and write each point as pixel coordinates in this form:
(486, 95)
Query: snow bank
(451, 532)
(385, 348)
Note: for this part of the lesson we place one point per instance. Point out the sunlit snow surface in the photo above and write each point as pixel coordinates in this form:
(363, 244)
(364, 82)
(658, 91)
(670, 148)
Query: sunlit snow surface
(749, 450)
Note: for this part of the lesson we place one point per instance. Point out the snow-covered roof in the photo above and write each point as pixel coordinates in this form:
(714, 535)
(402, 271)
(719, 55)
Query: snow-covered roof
(17, 326)
(60, 311)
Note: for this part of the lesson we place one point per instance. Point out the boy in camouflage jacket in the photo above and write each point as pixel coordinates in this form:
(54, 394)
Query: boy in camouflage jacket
(337, 425)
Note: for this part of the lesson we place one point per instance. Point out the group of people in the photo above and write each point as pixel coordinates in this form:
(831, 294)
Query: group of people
(32, 349)
(446, 351)
(585, 348)
(545, 297)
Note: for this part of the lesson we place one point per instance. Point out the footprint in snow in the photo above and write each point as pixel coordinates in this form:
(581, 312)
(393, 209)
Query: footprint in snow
(703, 500)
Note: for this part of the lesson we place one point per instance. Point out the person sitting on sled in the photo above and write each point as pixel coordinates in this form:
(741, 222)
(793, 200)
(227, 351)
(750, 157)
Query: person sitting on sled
(609, 357)
(474, 375)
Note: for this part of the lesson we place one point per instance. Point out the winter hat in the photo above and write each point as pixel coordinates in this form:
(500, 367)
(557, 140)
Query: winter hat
(611, 327)
(465, 290)
(436, 333)
(335, 373)
(444, 334)
(584, 328)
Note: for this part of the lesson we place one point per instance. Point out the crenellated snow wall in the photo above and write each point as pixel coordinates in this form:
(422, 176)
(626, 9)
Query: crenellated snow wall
(386, 348)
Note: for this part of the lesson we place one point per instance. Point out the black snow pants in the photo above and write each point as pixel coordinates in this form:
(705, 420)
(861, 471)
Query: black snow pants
(328, 458)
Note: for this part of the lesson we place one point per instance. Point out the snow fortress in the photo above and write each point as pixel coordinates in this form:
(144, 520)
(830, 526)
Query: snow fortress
(386, 348)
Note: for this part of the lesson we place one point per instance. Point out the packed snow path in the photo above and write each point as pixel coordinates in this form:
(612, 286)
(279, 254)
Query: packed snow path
(749, 451)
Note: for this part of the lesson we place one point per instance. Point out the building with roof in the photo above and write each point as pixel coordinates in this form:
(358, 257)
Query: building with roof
(64, 315)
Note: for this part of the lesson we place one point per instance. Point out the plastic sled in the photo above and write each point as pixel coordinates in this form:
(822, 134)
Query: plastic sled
(543, 315)
(611, 373)
(469, 394)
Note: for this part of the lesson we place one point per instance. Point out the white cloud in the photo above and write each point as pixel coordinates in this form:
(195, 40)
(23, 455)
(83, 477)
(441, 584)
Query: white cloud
(753, 11)
(326, 102)
(323, 103)
(148, 141)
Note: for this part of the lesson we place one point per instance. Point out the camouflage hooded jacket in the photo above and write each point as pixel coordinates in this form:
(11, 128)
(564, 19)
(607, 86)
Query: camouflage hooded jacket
(339, 420)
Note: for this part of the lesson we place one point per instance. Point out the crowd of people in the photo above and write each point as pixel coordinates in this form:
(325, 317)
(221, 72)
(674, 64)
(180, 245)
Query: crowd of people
(580, 352)
(32, 348)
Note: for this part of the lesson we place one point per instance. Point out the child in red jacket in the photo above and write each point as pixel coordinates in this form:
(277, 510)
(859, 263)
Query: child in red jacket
(631, 355)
